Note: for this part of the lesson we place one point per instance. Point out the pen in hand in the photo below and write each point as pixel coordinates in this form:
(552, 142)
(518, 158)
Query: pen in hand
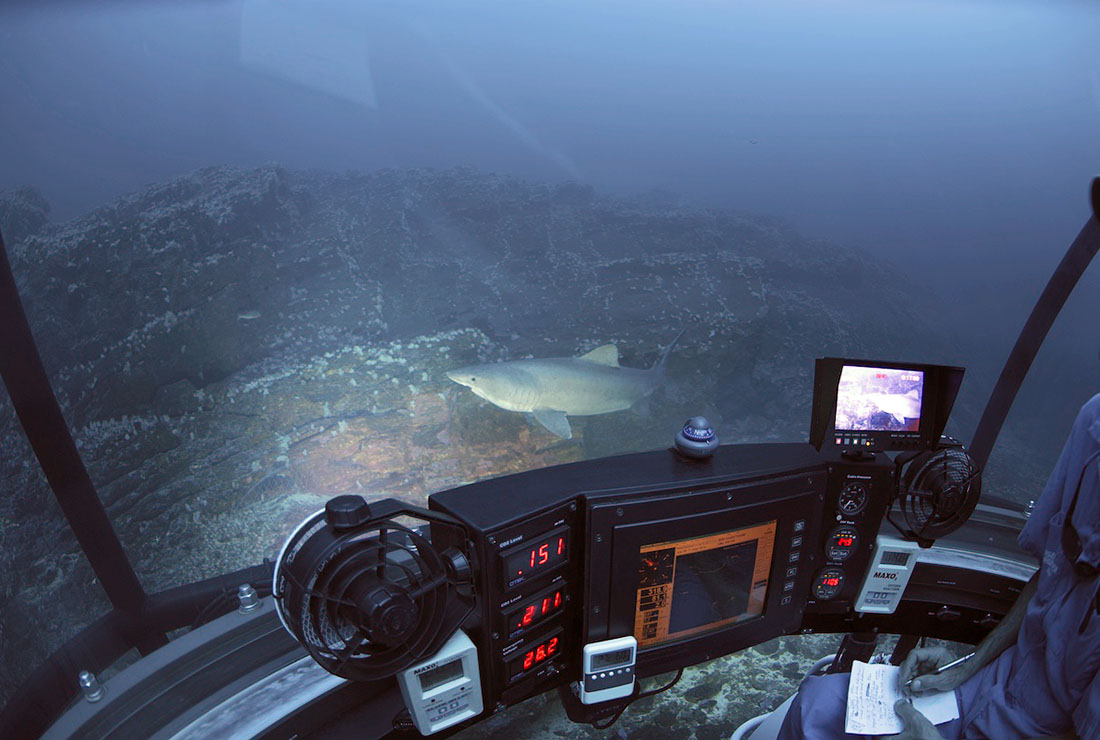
(941, 669)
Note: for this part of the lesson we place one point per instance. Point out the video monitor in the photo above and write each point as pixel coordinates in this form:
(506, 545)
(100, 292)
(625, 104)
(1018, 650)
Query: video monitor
(692, 586)
(879, 399)
(869, 405)
(703, 569)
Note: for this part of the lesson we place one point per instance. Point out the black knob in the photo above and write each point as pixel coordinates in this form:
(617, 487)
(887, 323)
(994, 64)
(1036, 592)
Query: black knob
(345, 512)
(696, 438)
(388, 613)
(457, 565)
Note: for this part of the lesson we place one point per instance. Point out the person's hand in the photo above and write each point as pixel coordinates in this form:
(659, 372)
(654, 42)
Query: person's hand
(917, 726)
(922, 661)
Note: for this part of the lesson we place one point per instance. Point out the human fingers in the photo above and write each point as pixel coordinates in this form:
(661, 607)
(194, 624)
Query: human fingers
(920, 661)
(917, 726)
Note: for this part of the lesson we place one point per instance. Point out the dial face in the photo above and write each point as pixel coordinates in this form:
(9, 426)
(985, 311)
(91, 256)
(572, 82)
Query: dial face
(853, 497)
(842, 543)
(656, 568)
(827, 584)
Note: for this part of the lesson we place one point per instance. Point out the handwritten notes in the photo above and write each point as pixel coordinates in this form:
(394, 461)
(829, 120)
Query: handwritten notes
(871, 696)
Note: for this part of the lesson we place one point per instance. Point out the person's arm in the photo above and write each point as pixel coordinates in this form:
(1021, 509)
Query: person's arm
(921, 661)
(1004, 634)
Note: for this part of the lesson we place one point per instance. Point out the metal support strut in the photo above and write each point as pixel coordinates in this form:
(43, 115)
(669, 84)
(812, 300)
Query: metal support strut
(1061, 284)
(40, 414)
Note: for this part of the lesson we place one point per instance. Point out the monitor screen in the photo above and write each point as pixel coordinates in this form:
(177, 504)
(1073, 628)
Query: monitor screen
(691, 586)
(879, 399)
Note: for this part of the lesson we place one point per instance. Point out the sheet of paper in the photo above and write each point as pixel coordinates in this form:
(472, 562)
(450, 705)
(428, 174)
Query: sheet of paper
(871, 696)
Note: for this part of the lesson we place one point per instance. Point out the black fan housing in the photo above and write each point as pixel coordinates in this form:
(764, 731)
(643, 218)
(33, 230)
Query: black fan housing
(937, 492)
(365, 595)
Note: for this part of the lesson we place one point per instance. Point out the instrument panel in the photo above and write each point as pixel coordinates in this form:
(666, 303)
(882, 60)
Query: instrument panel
(693, 559)
(858, 493)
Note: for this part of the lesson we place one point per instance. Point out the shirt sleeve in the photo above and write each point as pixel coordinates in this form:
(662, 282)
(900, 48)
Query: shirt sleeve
(1033, 536)
(1083, 439)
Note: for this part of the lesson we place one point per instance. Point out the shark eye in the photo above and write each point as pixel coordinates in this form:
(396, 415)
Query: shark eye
(472, 378)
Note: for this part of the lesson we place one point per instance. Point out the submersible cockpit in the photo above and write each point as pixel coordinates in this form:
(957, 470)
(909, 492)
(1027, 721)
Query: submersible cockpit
(384, 619)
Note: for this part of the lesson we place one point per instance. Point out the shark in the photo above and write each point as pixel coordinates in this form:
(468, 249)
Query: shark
(554, 388)
(900, 406)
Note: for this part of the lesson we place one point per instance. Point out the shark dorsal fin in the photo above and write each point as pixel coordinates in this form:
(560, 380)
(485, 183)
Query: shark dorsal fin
(608, 354)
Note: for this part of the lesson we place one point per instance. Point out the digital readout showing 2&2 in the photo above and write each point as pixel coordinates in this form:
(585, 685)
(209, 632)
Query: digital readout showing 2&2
(532, 656)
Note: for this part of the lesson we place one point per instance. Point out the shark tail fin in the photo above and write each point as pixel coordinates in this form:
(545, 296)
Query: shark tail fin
(660, 365)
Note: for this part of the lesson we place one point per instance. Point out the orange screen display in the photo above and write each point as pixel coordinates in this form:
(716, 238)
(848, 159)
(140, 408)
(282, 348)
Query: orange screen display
(687, 587)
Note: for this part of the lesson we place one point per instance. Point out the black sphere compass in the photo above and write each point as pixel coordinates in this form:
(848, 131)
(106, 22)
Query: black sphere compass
(696, 438)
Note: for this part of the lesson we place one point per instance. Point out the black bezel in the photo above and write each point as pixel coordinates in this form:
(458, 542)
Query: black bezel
(505, 555)
(941, 386)
(620, 528)
(513, 609)
(520, 650)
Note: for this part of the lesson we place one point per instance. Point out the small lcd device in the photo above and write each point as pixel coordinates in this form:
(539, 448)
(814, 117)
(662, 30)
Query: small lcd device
(608, 670)
(444, 690)
(885, 581)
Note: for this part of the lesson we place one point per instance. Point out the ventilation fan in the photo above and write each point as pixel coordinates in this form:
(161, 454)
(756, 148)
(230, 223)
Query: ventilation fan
(936, 493)
(366, 596)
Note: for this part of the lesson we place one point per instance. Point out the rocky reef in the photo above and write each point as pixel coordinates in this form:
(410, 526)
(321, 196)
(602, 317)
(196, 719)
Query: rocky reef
(234, 347)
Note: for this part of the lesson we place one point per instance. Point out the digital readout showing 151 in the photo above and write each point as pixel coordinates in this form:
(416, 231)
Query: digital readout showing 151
(535, 557)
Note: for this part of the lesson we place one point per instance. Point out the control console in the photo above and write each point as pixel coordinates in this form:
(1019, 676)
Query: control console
(857, 495)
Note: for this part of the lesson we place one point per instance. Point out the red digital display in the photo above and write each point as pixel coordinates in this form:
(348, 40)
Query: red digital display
(533, 609)
(535, 557)
(533, 655)
(832, 581)
(842, 543)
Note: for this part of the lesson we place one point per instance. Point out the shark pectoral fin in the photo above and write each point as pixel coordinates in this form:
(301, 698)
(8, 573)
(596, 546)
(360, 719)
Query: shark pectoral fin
(605, 355)
(899, 417)
(555, 421)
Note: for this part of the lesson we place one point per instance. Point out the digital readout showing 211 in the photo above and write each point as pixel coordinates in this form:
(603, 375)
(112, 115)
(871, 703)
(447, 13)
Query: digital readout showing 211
(533, 609)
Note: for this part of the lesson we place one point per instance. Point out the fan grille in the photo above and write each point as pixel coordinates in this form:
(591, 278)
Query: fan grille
(939, 491)
(365, 602)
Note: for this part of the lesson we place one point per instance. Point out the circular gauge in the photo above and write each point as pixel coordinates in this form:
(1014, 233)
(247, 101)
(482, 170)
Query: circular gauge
(853, 497)
(841, 543)
(827, 584)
